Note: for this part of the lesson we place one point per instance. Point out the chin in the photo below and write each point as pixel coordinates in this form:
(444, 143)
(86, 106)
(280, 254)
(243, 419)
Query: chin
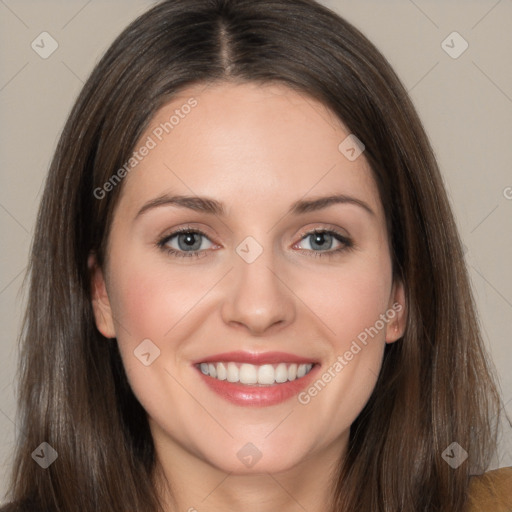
(264, 465)
(261, 456)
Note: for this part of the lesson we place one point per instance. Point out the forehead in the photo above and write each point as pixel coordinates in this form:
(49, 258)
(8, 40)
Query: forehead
(246, 144)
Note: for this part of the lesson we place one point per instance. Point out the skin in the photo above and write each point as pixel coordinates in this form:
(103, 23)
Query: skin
(257, 149)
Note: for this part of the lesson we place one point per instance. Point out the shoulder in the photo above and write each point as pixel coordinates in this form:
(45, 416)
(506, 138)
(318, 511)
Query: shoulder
(491, 491)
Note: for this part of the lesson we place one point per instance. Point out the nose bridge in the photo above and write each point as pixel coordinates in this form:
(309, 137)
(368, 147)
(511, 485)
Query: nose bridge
(257, 297)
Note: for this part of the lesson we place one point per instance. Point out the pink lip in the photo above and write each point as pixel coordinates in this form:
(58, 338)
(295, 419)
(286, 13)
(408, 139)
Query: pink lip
(257, 396)
(255, 358)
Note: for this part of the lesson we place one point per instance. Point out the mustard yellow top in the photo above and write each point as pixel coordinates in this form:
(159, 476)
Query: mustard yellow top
(491, 492)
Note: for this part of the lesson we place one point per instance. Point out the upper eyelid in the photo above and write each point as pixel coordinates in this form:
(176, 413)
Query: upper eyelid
(181, 231)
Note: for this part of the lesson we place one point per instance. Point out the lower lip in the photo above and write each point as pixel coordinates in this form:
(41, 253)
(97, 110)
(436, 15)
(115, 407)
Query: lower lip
(258, 396)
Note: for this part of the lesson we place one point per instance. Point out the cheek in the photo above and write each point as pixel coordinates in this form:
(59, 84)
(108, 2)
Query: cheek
(148, 299)
(351, 303)
(154, 302)
(349, 299)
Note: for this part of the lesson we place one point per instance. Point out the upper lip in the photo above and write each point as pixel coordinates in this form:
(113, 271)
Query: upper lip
(255, 358)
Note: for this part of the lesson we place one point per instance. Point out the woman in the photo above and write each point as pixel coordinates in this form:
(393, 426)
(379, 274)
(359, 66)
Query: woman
(247, 287)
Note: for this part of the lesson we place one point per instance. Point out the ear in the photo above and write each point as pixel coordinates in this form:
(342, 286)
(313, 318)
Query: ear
(100, 301)
(397, 313)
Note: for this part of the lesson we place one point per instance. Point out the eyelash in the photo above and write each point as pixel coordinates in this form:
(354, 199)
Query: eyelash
(347, 243)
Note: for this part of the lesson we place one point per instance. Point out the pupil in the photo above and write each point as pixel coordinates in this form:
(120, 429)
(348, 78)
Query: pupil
(319, 240)
(188, 240)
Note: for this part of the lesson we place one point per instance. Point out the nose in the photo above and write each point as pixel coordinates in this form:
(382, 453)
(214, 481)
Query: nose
(258, 299)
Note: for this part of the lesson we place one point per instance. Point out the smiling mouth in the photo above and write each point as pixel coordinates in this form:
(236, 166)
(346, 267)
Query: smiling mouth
(255, 375)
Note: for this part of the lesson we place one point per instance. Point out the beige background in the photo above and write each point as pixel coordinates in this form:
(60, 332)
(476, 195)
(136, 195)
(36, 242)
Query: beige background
(465, 104)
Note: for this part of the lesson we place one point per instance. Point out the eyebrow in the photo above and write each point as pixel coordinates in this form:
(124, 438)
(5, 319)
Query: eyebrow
(213, 207)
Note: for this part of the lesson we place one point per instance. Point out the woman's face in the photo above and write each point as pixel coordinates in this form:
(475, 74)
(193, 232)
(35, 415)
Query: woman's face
(251, 341)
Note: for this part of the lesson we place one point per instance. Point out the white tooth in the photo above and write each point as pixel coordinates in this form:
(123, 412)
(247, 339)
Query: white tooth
(281, 373)
(248, 374)
(266, 374)
(233, 375)
(221, 371)
(292, 372)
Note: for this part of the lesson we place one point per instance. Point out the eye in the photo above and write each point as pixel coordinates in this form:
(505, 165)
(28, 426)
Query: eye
(185, 242)
(188, 242)
(320, 242)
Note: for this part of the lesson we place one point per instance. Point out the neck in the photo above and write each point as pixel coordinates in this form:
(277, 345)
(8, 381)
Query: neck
(185, 482)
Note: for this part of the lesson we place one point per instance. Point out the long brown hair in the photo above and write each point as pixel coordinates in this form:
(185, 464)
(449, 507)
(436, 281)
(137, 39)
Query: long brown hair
(435, 386)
